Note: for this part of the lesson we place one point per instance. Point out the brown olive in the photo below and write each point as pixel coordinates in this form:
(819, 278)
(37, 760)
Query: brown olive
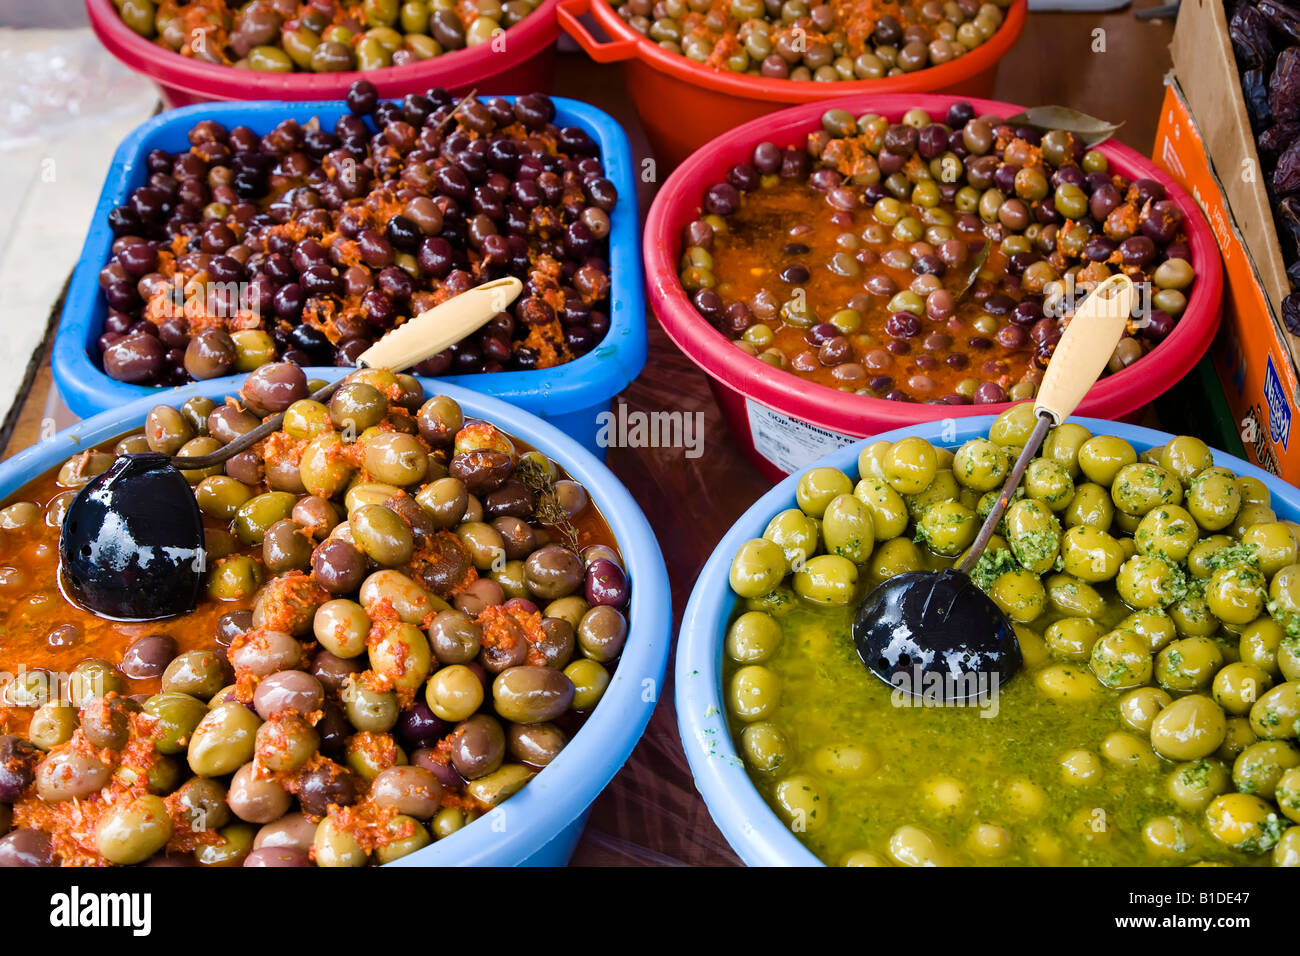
(262, 652)
(256, 799)
(454, 638)
(332, 671)
(478, 746)
(338, 567)
(413, 791)
(482, 470)
(531, 695)
(557, 643)
(553, 572)
(286, 547)
(147, 657)
(288, 691)
(535, 744)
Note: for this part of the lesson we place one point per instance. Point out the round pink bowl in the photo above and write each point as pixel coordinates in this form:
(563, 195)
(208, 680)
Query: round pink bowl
(523, 65)
(782, 421)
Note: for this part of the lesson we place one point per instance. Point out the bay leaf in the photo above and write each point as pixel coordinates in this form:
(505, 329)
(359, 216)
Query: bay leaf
(1089, 130)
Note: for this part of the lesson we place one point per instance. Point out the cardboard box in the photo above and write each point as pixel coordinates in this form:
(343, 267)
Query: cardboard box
(1205, 142)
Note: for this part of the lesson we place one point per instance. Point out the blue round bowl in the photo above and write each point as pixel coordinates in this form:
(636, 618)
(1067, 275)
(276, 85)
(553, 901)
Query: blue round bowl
(754, 831)
(570, 396)
(541, 824)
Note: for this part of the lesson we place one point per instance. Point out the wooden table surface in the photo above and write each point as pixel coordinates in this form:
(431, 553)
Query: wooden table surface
(1110, 65)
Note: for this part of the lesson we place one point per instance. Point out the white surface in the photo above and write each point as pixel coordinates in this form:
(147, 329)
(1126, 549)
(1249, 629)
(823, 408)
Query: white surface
(65, 104)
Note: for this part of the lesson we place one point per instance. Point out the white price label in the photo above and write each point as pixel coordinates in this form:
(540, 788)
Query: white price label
(788, 443)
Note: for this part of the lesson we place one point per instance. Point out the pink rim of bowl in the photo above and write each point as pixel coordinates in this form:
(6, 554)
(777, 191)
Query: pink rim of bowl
(209, 81)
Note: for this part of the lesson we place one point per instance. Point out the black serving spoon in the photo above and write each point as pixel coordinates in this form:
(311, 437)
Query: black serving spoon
(936, 634)
(131, 547)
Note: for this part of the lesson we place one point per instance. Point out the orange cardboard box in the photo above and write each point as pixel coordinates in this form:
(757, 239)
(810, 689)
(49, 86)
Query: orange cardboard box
(1204, 142)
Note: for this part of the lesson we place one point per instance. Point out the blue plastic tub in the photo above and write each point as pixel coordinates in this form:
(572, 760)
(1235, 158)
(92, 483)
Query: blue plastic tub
(569, 396)
(754, 831)
(540, 825)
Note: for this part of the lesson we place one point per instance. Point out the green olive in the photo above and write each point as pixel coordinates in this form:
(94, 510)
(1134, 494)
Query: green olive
(1193, 785)
(1139, 707)
(1275, 545)
(1020, 595)
(948, 528)
(802, 803)
(132, 830)
(269, 59)
(255, 515)
(382, 535)
(1139, 487)
(1213, 498)
(1167, 531)
(795, 533)
(753, 638)
(1145, 581)
(1102, 456)
(893, 557)
(221, 496)
(1121, 659)
(759, 566)
(827, 579)
(1062, 446)
(1154, 625)
(1073, 597)
(177, 716)
(1050, 483)
(1260, 766)
(223, 741)
(1090, 554)
(1188, 664)
(1090, 506)
(889, 513)
(1072, 638)
(755, 693)
(1190, 728)
(980, 464)
(334, 846)
(764, 747)
(1034, 535)
(818, 487)
(1235, 595)
(910, 465)
(1260, 640)
(1274, 716)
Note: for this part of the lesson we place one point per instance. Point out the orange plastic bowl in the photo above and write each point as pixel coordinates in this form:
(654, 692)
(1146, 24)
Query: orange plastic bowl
(782, 421)
(683, 104)
(524, 64)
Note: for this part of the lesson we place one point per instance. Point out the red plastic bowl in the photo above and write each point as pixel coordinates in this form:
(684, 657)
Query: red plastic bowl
(683, 104)
(798, 420)
(524, 65)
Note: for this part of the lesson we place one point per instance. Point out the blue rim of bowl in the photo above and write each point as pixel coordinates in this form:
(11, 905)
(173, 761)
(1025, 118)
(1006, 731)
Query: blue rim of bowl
(562, 791)
(586, 381)
(747, 822)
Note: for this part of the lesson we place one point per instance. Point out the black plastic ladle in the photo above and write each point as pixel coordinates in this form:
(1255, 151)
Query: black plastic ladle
(936, 635)
(132, 546)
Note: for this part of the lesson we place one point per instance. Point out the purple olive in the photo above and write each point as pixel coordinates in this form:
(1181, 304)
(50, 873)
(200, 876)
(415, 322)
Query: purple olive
(418, 726)
(606, 584)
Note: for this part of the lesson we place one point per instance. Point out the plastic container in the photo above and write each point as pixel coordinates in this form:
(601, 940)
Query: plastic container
(523, 63)
(570, 396)
(547, 816)
(749, 825)
(776, 408)
(683, 104)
